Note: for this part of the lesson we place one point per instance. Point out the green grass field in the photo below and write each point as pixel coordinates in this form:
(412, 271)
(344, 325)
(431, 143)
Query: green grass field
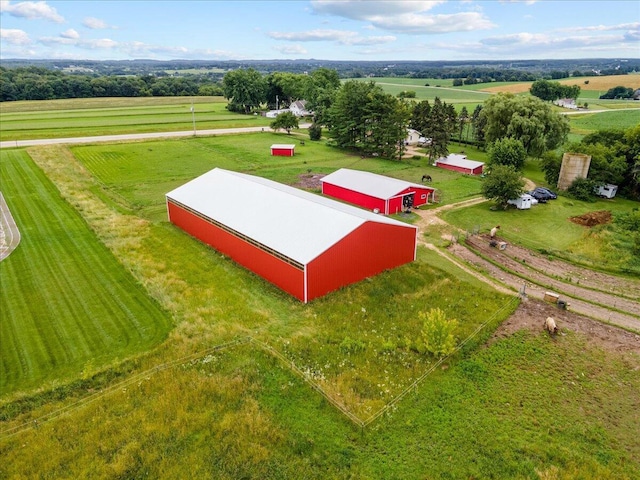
(106, 116)
(66, 302)
(189, 409)
(584, 124)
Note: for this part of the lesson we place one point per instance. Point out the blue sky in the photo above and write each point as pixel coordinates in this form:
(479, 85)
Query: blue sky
(320, 29)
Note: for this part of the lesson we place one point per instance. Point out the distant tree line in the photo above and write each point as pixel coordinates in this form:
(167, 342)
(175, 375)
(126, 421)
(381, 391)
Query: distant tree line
(38, 83)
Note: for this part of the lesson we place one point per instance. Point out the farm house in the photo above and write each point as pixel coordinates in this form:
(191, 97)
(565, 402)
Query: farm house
(460, 163)
(282, 150)
(375, 192)
(305, 244)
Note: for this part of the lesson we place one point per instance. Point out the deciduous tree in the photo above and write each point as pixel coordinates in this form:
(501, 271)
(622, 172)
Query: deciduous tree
(507, 151)
(285, 120)
(245, 89)
(503, 184)
(527, 119)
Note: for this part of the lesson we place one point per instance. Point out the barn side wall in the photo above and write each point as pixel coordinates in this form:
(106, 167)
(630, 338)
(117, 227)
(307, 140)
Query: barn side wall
(282, 152)
(369, 250)
(351, 196)
(455, 168)
(276, 270)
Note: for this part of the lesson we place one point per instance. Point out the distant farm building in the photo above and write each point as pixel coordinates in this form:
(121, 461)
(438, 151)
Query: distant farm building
(375, 192)
(305, 244)
(460, 163)
(283, 150)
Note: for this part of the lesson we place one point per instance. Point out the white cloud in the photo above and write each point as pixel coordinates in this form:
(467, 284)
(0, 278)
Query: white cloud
(364, 9)
(605, 28)
(31, 11)
(526, 2)
(95, 23)
(403, 16)
(14, 36)
(87, 44)
(291, 49)
(71, 33)
(341, 37)
(429, 24)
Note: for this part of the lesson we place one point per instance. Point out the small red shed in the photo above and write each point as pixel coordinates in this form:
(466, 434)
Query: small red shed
(306, 244)
(375, 192)
(460, 163)
(282, 150)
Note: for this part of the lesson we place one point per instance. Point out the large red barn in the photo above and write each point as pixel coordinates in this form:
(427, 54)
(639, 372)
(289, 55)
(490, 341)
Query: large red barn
(460, 163)
(375, 192)
(306, 244)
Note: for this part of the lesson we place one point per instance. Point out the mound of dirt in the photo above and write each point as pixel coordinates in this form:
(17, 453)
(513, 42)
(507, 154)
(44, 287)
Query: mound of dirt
(309, 181)
(592, 219)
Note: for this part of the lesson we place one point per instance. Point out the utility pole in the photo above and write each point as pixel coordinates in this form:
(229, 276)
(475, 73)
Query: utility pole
(193, 117)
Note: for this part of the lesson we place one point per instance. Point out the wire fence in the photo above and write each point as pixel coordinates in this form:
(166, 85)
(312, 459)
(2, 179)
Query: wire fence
(339, 405)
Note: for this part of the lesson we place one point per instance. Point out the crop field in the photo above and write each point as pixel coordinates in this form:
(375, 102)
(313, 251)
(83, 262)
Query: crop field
(584, 124)
(66, 302)
(250, 383)
(601, 84)
(436, 88)
(88, 117)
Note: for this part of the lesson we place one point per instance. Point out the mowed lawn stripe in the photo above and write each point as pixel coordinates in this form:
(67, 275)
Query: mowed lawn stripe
(65, 299)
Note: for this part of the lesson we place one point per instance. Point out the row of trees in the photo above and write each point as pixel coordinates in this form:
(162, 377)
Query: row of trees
(248, 90)
(37, 83)
(550, 91)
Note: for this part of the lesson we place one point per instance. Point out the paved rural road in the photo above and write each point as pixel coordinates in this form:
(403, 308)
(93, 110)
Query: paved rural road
(9, 233)
(134, 136)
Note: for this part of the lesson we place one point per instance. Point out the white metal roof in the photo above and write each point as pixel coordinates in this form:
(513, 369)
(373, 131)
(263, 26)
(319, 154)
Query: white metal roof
(459, 161)
(369, 183)
(298, 224)
(282, 145)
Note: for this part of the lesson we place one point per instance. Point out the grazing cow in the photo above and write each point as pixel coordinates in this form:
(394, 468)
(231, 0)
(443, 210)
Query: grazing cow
(550, 326)
(426, 178)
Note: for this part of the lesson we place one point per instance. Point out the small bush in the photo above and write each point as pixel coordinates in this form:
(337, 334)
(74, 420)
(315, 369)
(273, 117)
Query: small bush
(350, 346)
(315, 132)
(582, 189)
(437, 333)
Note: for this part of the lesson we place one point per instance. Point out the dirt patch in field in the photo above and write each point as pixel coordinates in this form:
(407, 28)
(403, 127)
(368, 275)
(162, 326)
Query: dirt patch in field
(592, 219)
(309, 181)
(532, 313)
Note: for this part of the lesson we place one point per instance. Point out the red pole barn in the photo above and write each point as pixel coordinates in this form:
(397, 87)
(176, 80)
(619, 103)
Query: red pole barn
(375, 192)
(305, 244)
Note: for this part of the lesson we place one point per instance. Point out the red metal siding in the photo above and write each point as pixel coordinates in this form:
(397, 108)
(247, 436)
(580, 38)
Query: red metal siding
(282, 152)
(395, 205)
(277, 271)
(369, 250)
(371, 203)
(351, 196)
(455, 168)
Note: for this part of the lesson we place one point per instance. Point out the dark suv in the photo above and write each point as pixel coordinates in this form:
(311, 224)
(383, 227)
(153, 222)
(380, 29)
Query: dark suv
(543, 194)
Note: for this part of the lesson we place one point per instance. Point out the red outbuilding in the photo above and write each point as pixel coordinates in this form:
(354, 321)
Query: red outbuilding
(305, 244)
(375, 192)
(460, 163)
(282, 150)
